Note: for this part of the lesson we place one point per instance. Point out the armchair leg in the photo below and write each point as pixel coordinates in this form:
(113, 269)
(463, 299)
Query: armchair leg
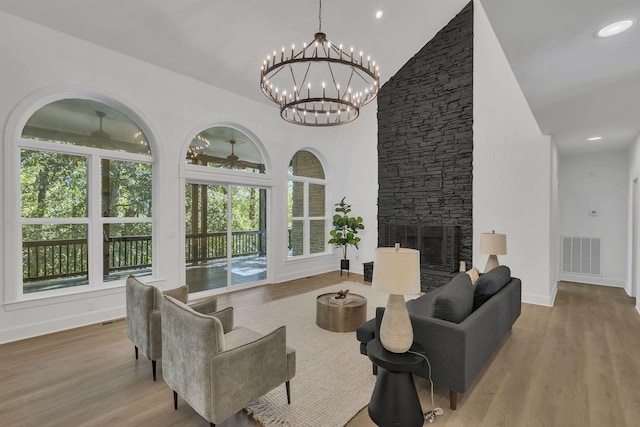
(453, 399)
(153, 368)
(136, 351)
(175, 400)
(288, 392)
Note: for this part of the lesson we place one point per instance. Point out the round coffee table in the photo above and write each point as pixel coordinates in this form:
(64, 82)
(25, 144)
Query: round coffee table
(340, 317)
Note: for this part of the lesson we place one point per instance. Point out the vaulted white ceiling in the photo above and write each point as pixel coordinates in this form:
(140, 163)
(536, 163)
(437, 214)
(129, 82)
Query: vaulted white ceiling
(577, 86)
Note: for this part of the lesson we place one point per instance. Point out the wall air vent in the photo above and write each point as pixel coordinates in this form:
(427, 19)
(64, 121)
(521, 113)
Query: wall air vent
(581, 255)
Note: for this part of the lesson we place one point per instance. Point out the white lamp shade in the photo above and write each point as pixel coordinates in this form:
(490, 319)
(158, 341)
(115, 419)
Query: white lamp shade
(493, 243)
(396, 271)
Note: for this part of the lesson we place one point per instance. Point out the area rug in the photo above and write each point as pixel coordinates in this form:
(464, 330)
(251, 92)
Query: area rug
(333, 380)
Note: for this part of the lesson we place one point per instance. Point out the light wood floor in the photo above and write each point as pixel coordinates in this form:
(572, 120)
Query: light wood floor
(574, 364)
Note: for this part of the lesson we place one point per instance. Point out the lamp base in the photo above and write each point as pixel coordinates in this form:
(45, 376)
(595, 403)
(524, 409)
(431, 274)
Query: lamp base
(396, 332)
(492, 263)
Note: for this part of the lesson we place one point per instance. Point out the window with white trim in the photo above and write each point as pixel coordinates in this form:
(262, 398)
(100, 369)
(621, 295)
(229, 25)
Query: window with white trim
(85, 181)
(307, 217)
(226, 199)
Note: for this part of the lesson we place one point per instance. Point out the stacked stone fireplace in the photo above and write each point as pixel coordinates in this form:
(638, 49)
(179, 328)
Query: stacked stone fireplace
(425, 153)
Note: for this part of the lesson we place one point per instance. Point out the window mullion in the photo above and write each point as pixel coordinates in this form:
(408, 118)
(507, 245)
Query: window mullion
(94, 186)
(229, 236)
(306, 223)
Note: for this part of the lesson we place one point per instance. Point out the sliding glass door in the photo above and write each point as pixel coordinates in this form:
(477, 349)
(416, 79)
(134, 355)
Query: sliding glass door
(225, 235)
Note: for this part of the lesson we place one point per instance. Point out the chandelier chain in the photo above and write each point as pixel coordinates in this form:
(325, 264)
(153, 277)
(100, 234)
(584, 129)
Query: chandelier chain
(320, 17)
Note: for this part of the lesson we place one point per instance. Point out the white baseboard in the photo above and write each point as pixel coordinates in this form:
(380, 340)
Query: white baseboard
(592, 280)
(61, 324)
(546, 301)
(300, 274)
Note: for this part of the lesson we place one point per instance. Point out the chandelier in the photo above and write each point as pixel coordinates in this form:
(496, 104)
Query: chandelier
(321, 84)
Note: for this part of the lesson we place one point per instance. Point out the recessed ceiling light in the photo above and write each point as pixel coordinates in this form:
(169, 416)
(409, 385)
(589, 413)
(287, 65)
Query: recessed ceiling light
(594, 138)
(379, 14)
(615, 28)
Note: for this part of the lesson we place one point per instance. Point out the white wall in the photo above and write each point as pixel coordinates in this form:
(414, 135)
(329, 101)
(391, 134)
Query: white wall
(37, 60)
(597, 181)
(511, 168)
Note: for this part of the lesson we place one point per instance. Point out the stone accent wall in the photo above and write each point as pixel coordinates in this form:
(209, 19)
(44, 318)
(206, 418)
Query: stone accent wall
(425, 139)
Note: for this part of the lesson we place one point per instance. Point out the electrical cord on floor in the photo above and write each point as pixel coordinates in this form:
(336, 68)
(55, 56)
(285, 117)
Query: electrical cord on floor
(430, 416)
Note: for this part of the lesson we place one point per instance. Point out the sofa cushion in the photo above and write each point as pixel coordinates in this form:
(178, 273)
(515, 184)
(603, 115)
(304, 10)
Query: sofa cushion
(490, 283)
(455, 301)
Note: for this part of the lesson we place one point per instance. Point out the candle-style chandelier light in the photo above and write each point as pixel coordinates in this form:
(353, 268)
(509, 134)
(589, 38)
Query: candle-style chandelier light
(321, 84)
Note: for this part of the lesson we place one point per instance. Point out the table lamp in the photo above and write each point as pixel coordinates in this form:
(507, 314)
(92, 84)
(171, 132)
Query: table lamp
(493, 244)
(396, 271)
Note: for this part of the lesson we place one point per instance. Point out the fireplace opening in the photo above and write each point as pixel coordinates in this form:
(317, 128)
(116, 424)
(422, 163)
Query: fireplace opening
(432, 252)
(438, 245)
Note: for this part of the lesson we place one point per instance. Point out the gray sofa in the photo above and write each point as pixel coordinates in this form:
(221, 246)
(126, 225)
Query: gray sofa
(458, 326)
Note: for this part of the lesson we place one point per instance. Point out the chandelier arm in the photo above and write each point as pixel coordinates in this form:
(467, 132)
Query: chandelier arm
(333, 78)
(305, 47)
(342, 55)
(324, 49)
(306, 73)
(293, 77)
(349, 81)
(357, 71)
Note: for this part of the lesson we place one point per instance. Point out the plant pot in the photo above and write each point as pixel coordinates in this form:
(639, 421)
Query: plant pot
(344, 265)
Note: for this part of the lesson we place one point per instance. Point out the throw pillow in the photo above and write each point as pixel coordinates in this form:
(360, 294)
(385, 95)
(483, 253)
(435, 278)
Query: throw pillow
(455, 302)
(422, 305)
(490, 283)
(181, 293)
(474, 274)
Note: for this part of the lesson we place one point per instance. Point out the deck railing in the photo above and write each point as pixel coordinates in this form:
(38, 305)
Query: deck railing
(128, 253)
(55, 259)
(211, 246)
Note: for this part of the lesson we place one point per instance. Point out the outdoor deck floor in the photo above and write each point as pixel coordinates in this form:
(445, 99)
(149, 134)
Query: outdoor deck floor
(213, 275)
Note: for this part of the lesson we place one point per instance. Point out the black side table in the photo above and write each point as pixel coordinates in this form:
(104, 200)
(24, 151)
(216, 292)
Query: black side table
(394, 401)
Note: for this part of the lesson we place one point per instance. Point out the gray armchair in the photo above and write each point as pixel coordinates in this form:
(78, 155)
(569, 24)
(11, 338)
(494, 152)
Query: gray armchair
(217, 368)
(143, 316)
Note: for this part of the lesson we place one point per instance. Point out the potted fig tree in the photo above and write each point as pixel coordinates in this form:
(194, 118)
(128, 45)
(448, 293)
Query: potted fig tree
(345, 228)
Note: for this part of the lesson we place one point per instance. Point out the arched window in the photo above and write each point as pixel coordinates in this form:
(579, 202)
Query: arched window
(85, 196)
(307, 221)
